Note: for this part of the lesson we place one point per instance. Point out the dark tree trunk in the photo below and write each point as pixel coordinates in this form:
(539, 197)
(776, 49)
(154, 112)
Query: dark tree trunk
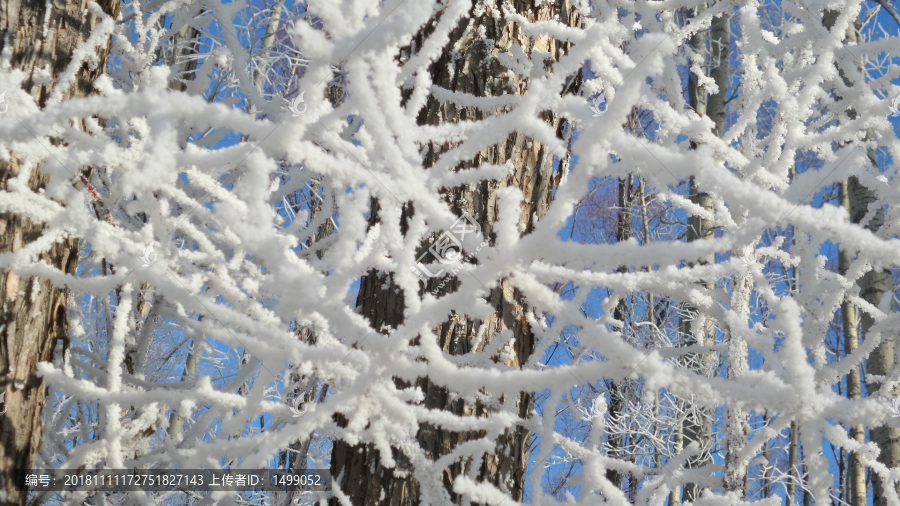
(357, 469)
(33, 312)
(617, 389)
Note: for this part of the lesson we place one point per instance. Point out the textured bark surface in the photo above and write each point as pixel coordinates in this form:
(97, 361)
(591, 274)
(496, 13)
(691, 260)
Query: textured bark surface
(472, 68)
(33, 313)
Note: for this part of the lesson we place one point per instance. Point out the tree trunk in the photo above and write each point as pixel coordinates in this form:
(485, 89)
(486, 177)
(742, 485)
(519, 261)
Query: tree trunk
(873, 286)
(358, 469)
(700, 429)
(793, 462)
(857, 469)
(713, 106)
(736, 418)
(616, 388)
(794, 445)
(33, 312)
(295, 457)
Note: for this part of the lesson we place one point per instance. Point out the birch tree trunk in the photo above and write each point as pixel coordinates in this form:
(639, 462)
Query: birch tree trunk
(184, 42)
(857, 470)
(471, 67)
(713, 106)
(736, 418)
(873, 287)
(794, 445)
(38, 35)
(856, 198)
(793, 462)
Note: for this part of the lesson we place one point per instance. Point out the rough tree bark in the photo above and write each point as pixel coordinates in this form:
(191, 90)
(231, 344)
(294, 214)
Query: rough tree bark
(472, 67)
(38, 35)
